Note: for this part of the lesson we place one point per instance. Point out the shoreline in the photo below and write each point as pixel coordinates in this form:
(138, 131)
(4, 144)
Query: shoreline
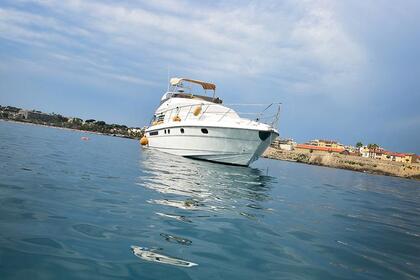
(331, 160)
(347, 162)
(67, 128)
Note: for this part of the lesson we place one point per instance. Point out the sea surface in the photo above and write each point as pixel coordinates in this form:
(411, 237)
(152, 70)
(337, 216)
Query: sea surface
(73, 209)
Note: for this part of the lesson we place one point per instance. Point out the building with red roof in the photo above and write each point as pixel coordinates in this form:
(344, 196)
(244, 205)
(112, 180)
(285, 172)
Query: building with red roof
(379, 153)
(306, 148)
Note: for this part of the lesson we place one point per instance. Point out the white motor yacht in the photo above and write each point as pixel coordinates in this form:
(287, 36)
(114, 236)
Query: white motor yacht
(201, 127)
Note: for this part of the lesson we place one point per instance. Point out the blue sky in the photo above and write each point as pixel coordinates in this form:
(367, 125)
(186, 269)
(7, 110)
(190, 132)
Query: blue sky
(344, 70)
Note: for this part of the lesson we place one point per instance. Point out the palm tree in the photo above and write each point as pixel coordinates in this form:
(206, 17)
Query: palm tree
(372, 149)
(359, 145)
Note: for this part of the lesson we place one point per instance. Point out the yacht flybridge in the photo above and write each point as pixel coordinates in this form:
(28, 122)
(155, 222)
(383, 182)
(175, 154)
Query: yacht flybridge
(201, 127)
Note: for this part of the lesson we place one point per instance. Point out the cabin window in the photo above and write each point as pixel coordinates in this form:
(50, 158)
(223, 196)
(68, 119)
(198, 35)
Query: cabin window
(169, 131)
(204, 130)
(182, 130)
(165, 131)
(153, 133)
(160, 117)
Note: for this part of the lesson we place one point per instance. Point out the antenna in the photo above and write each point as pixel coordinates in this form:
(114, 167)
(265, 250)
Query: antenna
(167, 68)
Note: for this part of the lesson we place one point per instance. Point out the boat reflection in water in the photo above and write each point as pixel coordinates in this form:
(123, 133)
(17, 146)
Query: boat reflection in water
(203, 186)
(151, 255)
(192, 197)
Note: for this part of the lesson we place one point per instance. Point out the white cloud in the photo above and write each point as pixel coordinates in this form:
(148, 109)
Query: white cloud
(300, 46)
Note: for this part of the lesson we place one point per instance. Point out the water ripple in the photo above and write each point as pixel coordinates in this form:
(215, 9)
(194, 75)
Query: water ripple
(176, 239)
(71, 207)
(91, 230)
(43, 242)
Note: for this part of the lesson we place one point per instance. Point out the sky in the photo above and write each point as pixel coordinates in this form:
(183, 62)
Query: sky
(343, 70)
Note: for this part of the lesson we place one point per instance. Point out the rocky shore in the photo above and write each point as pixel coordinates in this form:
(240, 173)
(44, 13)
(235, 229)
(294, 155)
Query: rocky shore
(354, 163)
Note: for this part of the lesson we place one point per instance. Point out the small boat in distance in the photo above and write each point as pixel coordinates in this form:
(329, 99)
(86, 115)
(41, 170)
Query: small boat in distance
(201, 127)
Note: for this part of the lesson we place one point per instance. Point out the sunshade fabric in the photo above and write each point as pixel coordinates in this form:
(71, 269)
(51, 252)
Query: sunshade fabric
(205, 85)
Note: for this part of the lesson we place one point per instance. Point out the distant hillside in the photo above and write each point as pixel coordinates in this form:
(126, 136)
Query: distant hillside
(53, 119)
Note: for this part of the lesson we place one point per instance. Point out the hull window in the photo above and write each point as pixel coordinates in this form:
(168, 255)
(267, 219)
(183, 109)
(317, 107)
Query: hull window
(153, 133)
(204, 130)
(264, 134)
(169, 131)
(182, 130)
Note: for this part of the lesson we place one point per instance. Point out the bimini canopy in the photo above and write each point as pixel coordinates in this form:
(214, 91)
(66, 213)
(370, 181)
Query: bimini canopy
(205, 85)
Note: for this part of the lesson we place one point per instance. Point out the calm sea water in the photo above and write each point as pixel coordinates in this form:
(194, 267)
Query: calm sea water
(71, 209)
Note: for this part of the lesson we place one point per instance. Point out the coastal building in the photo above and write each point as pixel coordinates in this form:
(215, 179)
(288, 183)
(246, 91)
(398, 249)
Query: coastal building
(376, 153)
(391, 156)
(306, 148)
(35, 115)
(75, 120)
(381, 154)
(284, 144)
(325, 143)
(7, 115)
(406, 158)
(135, 131)
(364, 152)
(352, 149)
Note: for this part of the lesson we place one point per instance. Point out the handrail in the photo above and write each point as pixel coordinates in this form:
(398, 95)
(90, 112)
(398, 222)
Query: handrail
(224, 105)
(208, 105)
(253, 104)
(259, 115)
(224, 114)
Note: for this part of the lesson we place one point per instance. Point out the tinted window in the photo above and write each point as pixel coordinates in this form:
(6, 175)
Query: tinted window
(204, 130)
(182, 130)
(264, 134)
(153, 133)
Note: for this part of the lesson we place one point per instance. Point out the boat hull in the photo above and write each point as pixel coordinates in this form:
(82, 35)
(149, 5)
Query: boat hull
(218, 144)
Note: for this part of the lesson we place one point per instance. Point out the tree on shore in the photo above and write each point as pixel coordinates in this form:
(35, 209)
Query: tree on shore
(373, 146)
(359, 146)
